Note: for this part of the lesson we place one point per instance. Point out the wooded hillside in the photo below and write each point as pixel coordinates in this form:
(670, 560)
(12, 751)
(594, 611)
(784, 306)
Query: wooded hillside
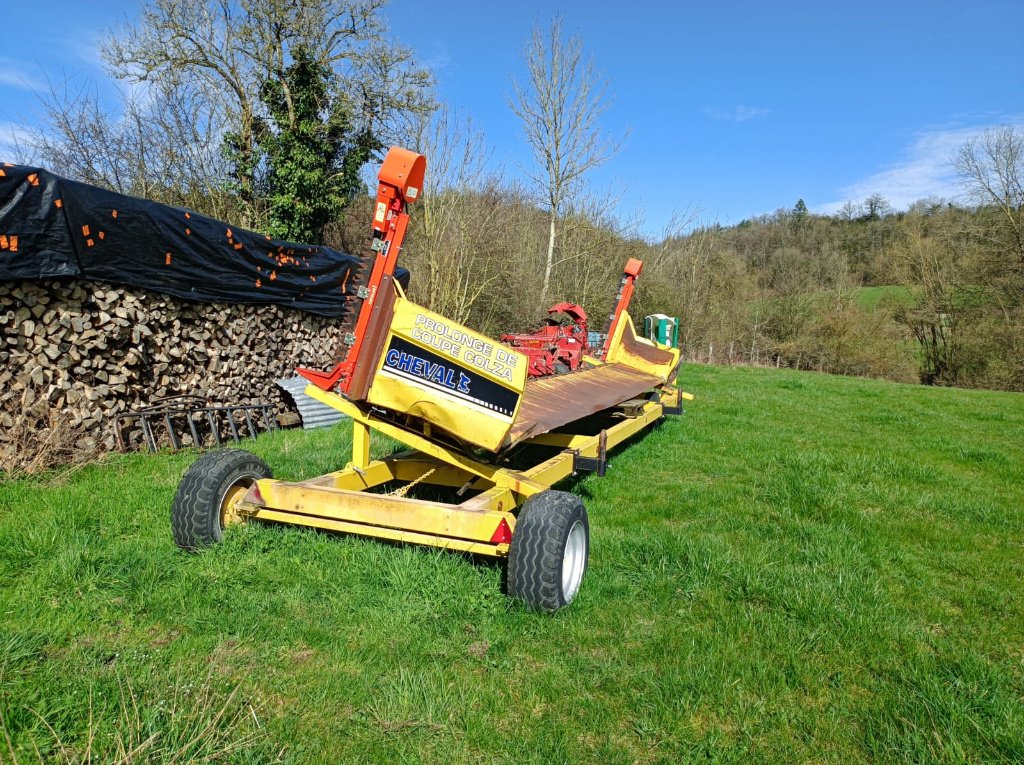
(273, 116)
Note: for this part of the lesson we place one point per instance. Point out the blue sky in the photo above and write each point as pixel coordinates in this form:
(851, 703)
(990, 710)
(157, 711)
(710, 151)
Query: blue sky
(734, 108)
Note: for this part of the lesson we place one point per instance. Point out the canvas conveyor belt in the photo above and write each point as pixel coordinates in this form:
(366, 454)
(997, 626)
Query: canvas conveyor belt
(551, 402)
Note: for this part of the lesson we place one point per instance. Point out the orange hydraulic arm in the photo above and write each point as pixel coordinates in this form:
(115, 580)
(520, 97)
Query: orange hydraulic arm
(400, 182)
(631, 272)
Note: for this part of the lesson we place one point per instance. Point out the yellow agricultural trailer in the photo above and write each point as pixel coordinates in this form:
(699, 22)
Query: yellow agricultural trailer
(475, 424)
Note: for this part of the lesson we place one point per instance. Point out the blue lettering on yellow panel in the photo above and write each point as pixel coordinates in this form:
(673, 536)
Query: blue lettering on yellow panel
(406, 359)
(435, 373)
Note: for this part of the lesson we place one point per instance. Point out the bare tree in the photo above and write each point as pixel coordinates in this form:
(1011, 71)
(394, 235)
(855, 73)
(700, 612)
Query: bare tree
(454, 216)
(560, 108)
(156, 146)
(876, 206)
(600, 242)
(992, 169)
(849, 211)
(940, 285)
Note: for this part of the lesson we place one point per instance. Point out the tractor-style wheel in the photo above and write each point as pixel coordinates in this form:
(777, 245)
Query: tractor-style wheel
(548, 554)
(208, 493)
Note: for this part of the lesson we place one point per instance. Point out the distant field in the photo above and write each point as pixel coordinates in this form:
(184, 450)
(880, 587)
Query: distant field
(802, 568)
(870, 297)
(866, 297)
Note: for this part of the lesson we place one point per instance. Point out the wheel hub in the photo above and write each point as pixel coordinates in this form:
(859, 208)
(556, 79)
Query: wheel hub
(229, 502)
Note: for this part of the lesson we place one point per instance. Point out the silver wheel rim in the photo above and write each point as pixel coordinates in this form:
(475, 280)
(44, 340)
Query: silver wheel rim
(574, 560)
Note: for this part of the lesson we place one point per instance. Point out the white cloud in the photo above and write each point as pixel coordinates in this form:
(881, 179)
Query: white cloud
(736, 113)
(11, 136)
(15, 77)
(926, 170)
(438, 58)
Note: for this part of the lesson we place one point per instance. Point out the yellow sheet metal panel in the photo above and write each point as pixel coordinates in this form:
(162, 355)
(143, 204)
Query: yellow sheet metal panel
(449, 375)
(641, 354)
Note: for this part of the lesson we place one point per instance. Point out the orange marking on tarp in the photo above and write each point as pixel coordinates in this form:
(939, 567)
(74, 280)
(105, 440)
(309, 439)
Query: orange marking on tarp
(238, 246)
(59, 203)
(33, 179)
(230, 235)
(3, 242)
(8, 164)
(113, 213)
(187, 215)
(266, 237)
(188, 232)
(345, 280)
(85, 231)
(273, 275)
(102, 234)
(14, 243)
(167, 259)
(312, 278)
(259, 283)
(90, 242)
(2, 173)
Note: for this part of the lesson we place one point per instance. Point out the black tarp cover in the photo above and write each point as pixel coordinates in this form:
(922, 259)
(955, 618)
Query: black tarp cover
(53, 227)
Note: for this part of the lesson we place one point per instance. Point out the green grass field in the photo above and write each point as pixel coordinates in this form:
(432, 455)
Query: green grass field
(870, 297)
(802, 569)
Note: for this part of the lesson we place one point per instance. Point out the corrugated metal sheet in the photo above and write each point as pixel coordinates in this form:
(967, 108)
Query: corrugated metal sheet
(313, 413)
(550, 402)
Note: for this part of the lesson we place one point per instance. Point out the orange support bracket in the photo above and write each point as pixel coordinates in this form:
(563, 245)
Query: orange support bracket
(400, 182)
(626, 286)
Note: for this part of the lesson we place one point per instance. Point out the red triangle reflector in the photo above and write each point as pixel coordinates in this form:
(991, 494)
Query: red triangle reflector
(253, 495)
(502, 535)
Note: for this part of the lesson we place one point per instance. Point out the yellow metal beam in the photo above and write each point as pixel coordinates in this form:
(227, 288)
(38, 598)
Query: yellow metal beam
(559, 467)
(452, 468)
(374, 474)
(408, 466)
(384, 510)
(360, 444)
(433, 540)
(418, 468)
(561, 440)
(497, 475)
(499, 499)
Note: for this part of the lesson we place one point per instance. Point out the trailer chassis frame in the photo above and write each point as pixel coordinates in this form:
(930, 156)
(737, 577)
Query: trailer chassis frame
(349, 500)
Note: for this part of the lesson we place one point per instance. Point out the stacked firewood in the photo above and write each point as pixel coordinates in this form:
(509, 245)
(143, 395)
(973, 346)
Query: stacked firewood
(74, 355)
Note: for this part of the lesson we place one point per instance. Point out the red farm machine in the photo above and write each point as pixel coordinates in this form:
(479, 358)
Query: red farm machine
(486, 422)
(557, 347)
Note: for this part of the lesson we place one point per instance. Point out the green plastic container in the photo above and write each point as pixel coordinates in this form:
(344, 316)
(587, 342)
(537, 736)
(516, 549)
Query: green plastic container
(662, 329)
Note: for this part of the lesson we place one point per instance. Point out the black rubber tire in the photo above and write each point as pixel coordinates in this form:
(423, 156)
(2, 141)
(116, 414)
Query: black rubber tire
(195, 512)
(561, 368)
(538, 548)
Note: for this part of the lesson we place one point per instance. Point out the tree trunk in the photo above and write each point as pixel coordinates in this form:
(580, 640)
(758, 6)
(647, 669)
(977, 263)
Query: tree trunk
(244, 174)
(549, 262)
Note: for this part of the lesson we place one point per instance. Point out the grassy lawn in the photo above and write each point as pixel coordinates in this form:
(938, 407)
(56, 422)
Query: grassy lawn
(803, 568)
